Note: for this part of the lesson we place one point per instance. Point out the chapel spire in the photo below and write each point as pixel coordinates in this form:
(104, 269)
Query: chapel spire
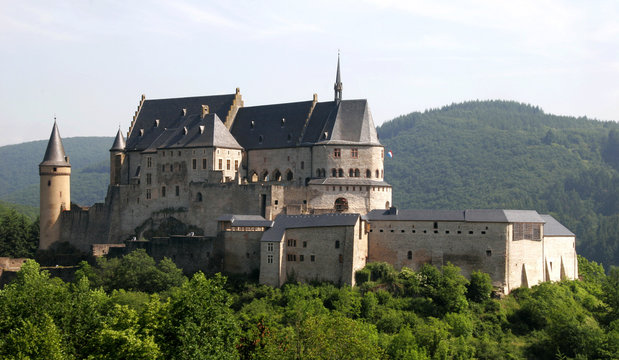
(338, 81)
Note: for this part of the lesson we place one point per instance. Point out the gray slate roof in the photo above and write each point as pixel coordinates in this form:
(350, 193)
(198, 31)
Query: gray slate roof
(194, 131)
(500, 216)
(344, 122)
(54, 154)
(246, 220)
(169, 113)
(119, 142)
(555, 228)
(283, 222)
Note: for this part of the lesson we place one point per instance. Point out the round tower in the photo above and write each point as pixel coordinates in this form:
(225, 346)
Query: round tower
(55, 176)
(117, 157)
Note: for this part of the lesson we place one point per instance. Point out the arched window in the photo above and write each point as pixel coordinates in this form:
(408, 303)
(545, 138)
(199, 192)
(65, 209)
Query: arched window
(277, 176)
(357, 173)
(387, 205)
(341, 204)
(368, 173)
(318, 173)
(351, 173)
(254, 176)
(289, 175)
(333, 173)
(199, 197)
(409, 255)
(265, 176)
(340, 172)
(377, 174)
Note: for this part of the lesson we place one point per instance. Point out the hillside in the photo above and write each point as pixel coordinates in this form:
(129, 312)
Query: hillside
(499, 154)
(89, 158)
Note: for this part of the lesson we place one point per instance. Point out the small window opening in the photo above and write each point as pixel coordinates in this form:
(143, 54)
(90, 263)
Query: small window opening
(337, 244)
(409, 255)
(488, 252)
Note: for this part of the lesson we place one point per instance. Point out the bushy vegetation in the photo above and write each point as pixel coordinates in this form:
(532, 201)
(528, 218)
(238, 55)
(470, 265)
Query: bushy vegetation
(19, 234)
(502, 154)
(429, 314)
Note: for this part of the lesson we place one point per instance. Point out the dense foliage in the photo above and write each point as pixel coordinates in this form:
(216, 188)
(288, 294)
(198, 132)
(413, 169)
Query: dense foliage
(89, 158)
(500, 154)
(429, 314)
(19, 234)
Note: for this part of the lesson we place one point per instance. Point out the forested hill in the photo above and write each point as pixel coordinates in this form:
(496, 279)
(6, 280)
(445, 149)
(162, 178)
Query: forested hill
(89, 157)
(502, 154)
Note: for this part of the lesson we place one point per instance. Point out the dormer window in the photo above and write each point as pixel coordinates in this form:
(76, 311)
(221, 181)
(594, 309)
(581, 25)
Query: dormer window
(185, 130)
(325, 135)
(283, 122)
(260, 139)
(156, 124)
(201, 129)
(141, 132)
(252, 124)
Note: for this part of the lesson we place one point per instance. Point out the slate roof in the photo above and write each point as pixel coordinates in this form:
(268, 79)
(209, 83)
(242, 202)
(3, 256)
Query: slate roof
(555, 228)
(54, 154)
(283, 222)
(246, 220)
(267, 130)
(119, 142)
(169, 113)
(195, 131)
(343, 122)
(500, 216)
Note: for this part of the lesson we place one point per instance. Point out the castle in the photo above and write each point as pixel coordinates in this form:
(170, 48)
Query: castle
(292, 191)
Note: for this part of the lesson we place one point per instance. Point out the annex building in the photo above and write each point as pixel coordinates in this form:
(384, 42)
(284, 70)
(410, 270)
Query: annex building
(288, 191)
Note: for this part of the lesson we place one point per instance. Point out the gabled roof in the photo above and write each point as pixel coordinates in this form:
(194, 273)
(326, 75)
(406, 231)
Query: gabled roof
(246, 220)
(555, 228)
(155, 116)
(271, 126)
(119, 142)
(283, 222)
(195, 131)
(498, 216)
(54, 154)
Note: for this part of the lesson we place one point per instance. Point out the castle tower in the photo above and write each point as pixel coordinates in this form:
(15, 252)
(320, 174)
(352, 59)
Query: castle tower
(55, 185)
(117, 157)
(338, 82)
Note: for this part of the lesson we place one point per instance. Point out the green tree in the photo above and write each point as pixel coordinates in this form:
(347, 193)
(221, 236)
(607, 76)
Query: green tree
(479, 288)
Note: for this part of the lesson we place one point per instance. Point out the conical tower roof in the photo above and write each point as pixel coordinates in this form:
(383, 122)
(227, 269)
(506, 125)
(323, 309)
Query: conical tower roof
(55, 155)
(119, 142)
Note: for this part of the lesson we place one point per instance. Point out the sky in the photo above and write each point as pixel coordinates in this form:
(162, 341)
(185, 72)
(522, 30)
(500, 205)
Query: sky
(87, 62)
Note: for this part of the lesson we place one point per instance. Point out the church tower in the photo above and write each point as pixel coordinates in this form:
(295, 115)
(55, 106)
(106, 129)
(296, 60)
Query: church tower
(117, 157)
(55, 177)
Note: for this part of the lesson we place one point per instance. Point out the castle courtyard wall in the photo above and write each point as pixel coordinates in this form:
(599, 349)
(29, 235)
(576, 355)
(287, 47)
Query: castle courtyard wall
(241, 251)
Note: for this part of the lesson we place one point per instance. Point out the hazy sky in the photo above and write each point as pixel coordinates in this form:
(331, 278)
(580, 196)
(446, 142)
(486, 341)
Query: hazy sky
(88, 62)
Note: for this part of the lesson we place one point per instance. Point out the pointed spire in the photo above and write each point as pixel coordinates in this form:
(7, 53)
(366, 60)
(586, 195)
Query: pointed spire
(119, 142)
(55, 155)
(338, 81)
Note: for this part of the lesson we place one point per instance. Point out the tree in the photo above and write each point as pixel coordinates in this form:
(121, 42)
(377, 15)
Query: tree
(479, 287)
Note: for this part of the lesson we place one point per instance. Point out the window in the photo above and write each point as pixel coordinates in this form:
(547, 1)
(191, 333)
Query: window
(312, 258)
(409, 255)
(357, 173)
(149, 162)
(340, 172)
(526, 231)
(354, 153)
(351, 172)
(228, 164)
(300, 257)
(236, 165)
(333, 172)
(377, 173)
(221, 164)
(488, 252)
(171, 167)
(179, 153)
(341, 204)
(147, 193)
(199, 197)
(368, 173)
(203, 164)
(149, 179)
(194, 164)
(292, 242)
(382, 154)
(341, 258)
(177, 190)
(337, 153)
(435, 225)
(337, 244)
(163, 191)
(163, 168)
(305, 244)
(292, 257)
(302, 165)
(270, 247)
(269, 259)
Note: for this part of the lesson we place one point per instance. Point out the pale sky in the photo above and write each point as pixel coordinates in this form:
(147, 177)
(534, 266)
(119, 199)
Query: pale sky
(88, 62)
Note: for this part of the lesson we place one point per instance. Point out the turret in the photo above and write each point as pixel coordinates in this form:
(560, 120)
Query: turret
(117, 158)
(55, 186)
(338, 82)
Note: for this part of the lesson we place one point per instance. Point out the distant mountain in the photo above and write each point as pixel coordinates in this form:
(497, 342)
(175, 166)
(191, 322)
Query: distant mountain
(502, 154)
(89, 157)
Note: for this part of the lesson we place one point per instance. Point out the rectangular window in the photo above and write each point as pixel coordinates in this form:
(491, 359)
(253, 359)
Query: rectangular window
(163, 191)
(292, 257)
(236, 165)
(354, 153)
(301, 258)
(292, 242)
(527, 231)
(228, 164)
(194, 163)
(149, 162)
(163, 168)
(270, 247)
(302, 165)
(203, 164)
(178, 190)
(269, 259)
(149, 179)
(337, 153)
(147, 193)
(305, 244)
(171, 167)
(221, 164)
(312, 258)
